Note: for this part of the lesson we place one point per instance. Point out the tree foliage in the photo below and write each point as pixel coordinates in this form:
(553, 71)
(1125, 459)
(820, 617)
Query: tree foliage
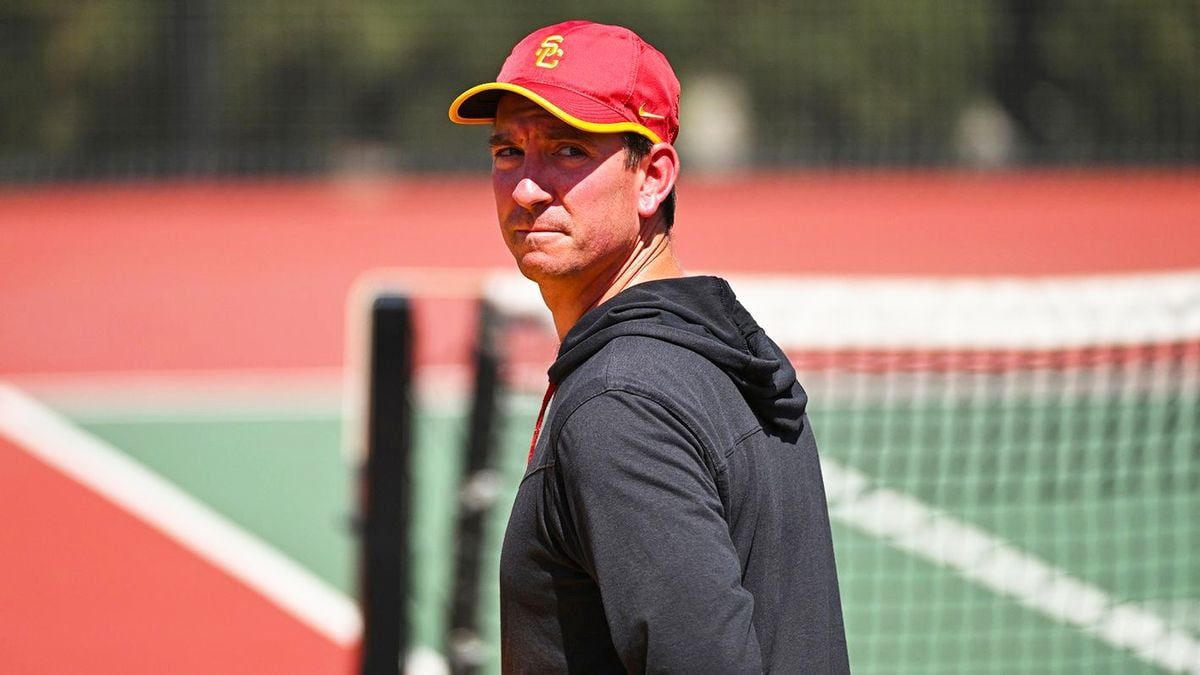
(826, 81)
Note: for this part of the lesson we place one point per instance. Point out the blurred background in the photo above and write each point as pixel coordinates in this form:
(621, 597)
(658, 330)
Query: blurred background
(194, 194)
(140, 89)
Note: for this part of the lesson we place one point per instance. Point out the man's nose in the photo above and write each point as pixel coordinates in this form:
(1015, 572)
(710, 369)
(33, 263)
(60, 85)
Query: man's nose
(529, 194)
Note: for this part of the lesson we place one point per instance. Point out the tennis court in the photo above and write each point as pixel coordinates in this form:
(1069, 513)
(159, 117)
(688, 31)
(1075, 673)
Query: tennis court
(1072, 545)
(111, 568)
(279, 476)
(974, 227)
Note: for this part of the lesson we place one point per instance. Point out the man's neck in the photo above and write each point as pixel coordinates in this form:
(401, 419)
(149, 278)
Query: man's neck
(654, 261)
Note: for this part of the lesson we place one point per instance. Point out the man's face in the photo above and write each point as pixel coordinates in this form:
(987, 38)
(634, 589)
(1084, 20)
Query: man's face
(567, 205)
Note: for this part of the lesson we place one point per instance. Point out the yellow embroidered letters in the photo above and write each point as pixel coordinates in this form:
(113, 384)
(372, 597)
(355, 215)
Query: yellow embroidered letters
(549, 52)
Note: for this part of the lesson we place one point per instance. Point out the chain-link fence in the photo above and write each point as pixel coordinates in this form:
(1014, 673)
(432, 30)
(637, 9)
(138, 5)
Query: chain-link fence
(116, 89)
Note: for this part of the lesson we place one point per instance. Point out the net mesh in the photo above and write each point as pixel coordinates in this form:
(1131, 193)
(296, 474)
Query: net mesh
(1029, 518)
(1013, 466)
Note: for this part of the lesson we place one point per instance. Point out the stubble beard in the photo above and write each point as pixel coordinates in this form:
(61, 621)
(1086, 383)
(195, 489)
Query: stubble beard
(540, 264)
(537, 260)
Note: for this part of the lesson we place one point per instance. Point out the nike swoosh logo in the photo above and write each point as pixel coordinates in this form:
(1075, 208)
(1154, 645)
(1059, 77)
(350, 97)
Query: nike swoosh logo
(649, 115)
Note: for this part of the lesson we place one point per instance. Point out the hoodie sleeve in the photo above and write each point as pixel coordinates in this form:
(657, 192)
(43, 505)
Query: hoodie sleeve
(647, 524)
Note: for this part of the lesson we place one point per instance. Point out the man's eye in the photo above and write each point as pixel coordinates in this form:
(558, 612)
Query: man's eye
(571, 151)
(506, 152)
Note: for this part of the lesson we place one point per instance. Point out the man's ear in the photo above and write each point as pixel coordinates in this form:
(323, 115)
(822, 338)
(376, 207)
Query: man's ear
(662, 168)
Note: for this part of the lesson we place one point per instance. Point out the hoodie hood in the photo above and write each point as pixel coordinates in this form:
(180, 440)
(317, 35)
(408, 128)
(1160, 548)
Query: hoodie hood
(703, 315)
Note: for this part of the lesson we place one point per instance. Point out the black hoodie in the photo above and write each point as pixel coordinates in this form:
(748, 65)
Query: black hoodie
(672, 517)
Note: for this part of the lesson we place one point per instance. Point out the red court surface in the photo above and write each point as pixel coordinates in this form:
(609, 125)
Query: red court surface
(255, 275)
(88, 588)
(98, 280)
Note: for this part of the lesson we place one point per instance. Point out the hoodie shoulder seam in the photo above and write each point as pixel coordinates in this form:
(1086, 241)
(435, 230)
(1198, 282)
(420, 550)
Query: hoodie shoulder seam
(743, 438)
(714, 459)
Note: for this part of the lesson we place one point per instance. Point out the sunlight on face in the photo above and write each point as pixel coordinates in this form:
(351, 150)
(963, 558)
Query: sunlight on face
(566, 204)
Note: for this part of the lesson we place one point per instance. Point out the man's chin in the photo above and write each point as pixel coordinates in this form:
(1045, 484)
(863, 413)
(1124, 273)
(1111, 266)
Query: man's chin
(536, 273)
(539, 267)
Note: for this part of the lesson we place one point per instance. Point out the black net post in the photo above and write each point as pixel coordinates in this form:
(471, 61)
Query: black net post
(385, 489)
(479, 490)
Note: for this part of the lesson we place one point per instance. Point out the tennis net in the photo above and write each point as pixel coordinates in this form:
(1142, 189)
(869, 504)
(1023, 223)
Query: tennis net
(1013, 465)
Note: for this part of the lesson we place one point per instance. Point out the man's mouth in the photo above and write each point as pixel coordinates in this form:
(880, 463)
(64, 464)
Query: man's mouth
(533, 226)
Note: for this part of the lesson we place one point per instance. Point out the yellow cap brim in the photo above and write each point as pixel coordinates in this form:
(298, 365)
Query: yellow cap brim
(596, 127)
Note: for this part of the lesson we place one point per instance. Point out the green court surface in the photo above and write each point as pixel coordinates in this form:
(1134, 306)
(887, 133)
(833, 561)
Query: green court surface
(285, 479)
(1105, 509)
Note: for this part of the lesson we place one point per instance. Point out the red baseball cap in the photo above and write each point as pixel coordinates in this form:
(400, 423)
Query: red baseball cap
(592, 76)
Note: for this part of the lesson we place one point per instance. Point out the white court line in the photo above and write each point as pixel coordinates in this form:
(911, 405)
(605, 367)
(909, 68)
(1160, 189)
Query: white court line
(912, 526)
(181, 517)
(227, 394)
(251, 394)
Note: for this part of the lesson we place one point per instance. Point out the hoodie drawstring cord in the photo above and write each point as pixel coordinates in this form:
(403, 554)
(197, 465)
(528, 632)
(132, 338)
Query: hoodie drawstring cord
(537, 427)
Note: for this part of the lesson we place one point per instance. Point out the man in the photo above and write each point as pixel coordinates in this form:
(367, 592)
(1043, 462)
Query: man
(672, 517)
